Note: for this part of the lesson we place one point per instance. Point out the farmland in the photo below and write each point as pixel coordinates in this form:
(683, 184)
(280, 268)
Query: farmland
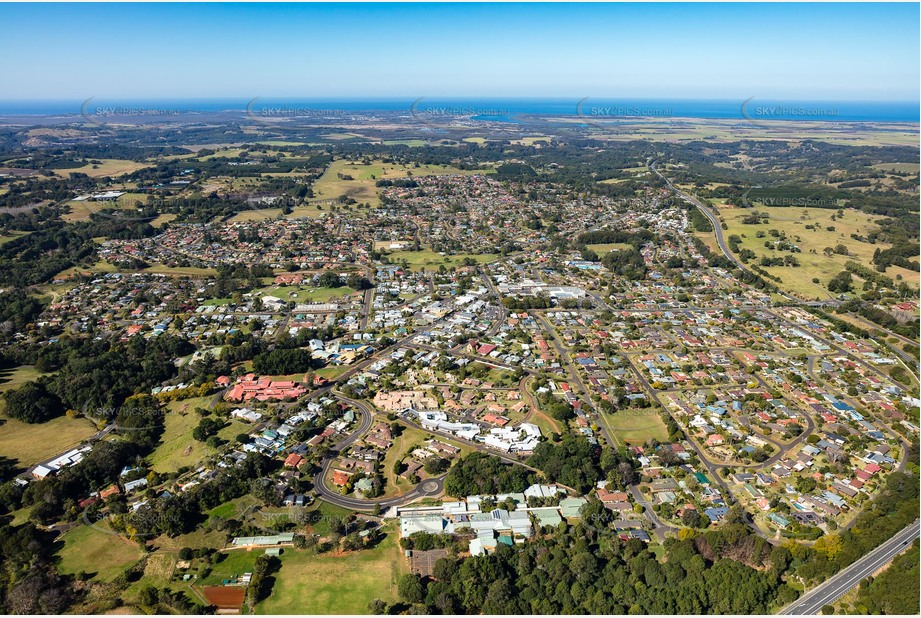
(814, 262)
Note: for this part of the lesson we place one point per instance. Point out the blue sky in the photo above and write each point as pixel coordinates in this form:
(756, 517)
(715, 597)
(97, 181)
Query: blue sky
(710, 51)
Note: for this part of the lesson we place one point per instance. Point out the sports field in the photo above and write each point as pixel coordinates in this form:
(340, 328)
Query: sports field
(636, 426)
(305, 293)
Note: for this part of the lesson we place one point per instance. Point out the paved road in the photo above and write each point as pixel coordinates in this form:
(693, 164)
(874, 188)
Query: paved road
(701, 456)
(366, 309)
(718, 230)
(428, 487)
(660, 528)
(99, 435)
(717, 226)
(836, 587)
(915, 363)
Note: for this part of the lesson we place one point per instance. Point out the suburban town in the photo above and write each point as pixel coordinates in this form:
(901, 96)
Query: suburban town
(469, 357)
(723, 399)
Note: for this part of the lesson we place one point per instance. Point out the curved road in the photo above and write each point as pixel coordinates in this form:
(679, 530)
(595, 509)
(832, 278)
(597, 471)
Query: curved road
(718, 231)
(428, 487)
(714, 220)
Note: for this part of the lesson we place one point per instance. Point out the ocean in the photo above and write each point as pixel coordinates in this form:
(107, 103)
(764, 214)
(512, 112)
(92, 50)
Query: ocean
(496, 109)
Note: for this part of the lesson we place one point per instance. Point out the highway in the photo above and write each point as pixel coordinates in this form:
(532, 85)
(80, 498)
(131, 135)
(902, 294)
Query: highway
(717, 227)
(836, 587)
(718, 231)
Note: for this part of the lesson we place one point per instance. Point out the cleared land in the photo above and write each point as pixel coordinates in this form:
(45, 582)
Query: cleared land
(305, 293)
(261, 214)
(608, 247)
(17, 376)
(675, 129)
(361, 188)
(12, 236)
(636, 426)
(177, 446)
(337, 583)
(31, 443)
(105, 167)
(908, 168)
(430, 260)
(81, 211)
(812, 242)
(90, 549)
(411, 437)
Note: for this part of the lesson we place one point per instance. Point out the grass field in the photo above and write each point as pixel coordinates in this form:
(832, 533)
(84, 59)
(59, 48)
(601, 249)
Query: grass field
(161, 219)
(337, 584)
(157, 572)
(342, 136)
(910, 168)
(309, 211)
(305, 293)
(30, 444)
(636, 426)
(90, 549)
(17, 376)
(179, 271)
(430, 260)
(330, 186)
(107, 167)
(709, 239)
(235, 563)
(199, 538)
(608, 247)
(675, 129)
(793, 221)
(261, 214)
(534, 139)
(177, 446)
(547, 425)
(13, 235)
(412, 143)
(81, 211)
(400, 449)
(331, 372)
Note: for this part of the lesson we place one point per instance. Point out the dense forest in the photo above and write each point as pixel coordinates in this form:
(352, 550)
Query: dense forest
(578, 570)
(896, 590)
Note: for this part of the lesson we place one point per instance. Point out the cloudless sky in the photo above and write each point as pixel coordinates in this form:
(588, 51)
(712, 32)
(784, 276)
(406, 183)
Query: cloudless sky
(782, 51)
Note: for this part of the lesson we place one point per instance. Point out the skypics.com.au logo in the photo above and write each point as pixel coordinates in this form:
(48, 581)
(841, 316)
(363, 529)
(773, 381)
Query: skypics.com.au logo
(603, 115)
(130, 418)
(762, 199)
(288, 116)
(444, 115)
(763, 115)
(103, 115)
